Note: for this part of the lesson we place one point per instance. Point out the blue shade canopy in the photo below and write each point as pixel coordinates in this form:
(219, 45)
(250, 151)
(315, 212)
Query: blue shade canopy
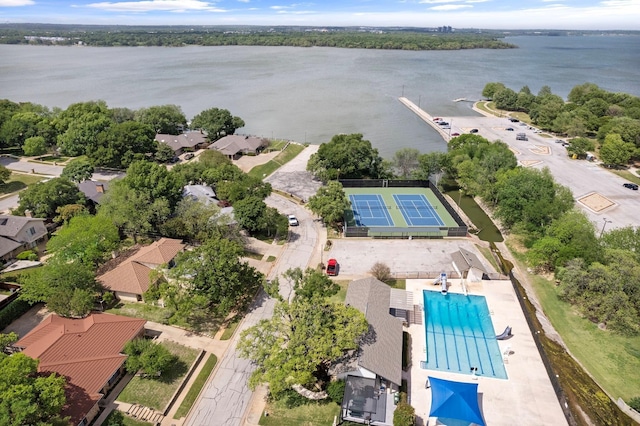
(455, 400)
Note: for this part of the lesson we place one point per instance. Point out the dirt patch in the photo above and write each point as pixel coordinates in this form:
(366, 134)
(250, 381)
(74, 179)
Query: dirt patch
(248, 162)
(530, 163)
(596, 202)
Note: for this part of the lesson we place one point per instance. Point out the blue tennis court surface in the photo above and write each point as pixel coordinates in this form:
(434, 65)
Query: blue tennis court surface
(460, 335)
(370, 210)
(417, 210)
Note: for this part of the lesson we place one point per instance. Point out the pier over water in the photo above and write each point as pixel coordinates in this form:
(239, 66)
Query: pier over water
(426, 117)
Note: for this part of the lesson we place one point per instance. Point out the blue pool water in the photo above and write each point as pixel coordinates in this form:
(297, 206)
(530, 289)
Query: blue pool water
(460, 335)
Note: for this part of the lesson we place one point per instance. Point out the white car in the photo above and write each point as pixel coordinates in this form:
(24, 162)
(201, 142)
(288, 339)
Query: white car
(293, 221)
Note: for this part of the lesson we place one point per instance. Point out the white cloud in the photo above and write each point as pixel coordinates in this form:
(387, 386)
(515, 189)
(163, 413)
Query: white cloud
(450, 7)
(156, 6)
(16, 3)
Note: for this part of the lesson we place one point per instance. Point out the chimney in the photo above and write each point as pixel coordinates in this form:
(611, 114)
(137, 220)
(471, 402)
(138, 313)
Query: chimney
(27, 213)
(99, 188)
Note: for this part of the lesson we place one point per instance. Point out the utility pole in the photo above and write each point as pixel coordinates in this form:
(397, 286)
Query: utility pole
(604, 225)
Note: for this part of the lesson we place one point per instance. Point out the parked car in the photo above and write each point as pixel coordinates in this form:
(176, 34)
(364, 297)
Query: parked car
(332, 267)
(473, 131)
(559, 141)
(437, 119)
(630, 186)
(442, 123)
(455, 134)
(509, 129)
(513, 120)
(293, 221)
(188, 156)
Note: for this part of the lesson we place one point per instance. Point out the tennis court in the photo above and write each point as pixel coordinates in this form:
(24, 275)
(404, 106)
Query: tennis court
(417, 210)
(370, 210)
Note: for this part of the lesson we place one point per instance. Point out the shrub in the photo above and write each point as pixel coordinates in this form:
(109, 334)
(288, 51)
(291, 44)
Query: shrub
(27, 255)
(405, 414)
(13, 311)
(634, 403)
(381, 271)
(292, 399)
(335, 390)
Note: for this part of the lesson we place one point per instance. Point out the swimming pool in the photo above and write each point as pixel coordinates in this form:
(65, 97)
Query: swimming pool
(460, 335)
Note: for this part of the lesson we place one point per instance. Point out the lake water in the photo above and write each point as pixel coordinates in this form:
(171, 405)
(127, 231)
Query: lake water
(311, 94)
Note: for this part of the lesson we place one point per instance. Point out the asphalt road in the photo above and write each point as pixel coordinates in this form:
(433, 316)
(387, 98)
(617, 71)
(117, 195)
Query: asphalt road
(581, 176)
(226, 396)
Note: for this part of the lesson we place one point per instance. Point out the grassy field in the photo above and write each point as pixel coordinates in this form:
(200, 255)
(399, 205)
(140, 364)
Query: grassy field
(486, 253)
(156, 392)
(17, 182)
(161, 315)
(284, 157)
(231, 327)
(342, 293)
(626, 174)
(306, 415)
(194, 390)
(612, 360)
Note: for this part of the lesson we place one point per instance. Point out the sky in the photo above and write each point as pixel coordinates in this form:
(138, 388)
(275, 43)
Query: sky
(489, 14)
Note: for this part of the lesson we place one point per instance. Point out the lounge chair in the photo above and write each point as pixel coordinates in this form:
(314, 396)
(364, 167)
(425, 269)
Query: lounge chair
(506, 334)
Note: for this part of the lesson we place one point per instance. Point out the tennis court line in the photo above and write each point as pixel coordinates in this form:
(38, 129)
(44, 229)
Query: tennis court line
(426, 205)
(371, 200)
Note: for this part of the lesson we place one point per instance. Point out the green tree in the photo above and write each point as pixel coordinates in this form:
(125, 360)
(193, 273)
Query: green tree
(35, 145)
(627, 238)
(78, 170)
(122, 144)
(491, 88)
(347, 157)
(215, 271)
(85, 238)
(249, 213)
(330, 203)
(68, 288)
(615, 152)
(404, 414)
(66, 212)
(217, 123)
(580, 147)
(155, 181)
(405, 161)
(7, 340)
(164, 153)
(147, 357)
(43, 198)
(300, 342)
(545, 110)
(310, 284)
(81, 135)
(166, 119)
(506, 99)
(27, 398)
(4, 174)
(431, 163)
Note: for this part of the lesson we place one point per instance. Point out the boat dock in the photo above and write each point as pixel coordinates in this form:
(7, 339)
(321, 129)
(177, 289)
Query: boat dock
(426, 117)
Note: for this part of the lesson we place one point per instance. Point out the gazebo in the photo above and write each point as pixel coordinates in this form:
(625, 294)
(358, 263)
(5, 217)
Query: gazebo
(455, 400)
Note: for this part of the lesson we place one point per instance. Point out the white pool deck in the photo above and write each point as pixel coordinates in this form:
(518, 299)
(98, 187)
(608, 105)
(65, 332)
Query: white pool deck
(525, 398)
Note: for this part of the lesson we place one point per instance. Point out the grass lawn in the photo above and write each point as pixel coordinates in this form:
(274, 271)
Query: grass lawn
(252, 255)
(231, 327)
(141, 310)
(626, 174)
(285, 156)
(156, 392)
(313, 414)
(17, 181)
(397, 283)
(611, 359)
(198, 383)
(486, 252)
(342, 293)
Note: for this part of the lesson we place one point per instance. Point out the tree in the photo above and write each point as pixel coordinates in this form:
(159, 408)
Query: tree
(214, 270)
(81, 135)
(68, 288)
(217, 123)
(580, 147)
(4, 174)
(164, 153)
(166, 119)
(615, 152)
(35, 145)
(249, 213)
(506, 99)
(347, 157)
(85, 238)
(381, 271)
(431, 163)
(148, 357)
(7, 340)
(43, 198)
(78, 170)
(491, 88)
(404, 414)
(330, 203)
(406, 162)
(310, 284)
(122, 144)
(300, 342)
(155, 181)
(28, 398)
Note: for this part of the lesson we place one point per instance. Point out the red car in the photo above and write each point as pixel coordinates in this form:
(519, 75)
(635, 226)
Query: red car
(332, 267)
(455, 134)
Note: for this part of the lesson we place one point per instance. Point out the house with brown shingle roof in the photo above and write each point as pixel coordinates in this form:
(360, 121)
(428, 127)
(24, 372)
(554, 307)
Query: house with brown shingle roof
(187, 141)
(234, 146)
(19, 233)
(87, 352)
(130, 279)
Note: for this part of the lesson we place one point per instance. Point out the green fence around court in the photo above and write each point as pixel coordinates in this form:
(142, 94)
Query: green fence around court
(454, 226)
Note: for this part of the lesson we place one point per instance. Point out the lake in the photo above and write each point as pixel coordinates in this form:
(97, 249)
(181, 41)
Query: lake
(311, 94)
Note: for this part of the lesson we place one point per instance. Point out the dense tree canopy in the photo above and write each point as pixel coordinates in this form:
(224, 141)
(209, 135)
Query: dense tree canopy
(347, 157)
(28, 398)
(330, 203)
(147, 357)
(166, 119)
(405, 162)
(217, 123)
(78, 170)
(43, 198)
(303, 338)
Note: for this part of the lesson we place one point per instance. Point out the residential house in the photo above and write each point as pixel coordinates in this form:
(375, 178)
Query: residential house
(130, 279)
(18, 233)
(87, 352)
(93, 191)
(207, 195)
(234, 146)
(374, 376)
(188, 141)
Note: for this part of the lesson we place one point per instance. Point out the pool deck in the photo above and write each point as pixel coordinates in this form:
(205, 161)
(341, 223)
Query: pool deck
(525, 398)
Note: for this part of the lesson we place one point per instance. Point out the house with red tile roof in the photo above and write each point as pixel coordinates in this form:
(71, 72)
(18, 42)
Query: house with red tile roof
(130, 279)
(87, 351)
